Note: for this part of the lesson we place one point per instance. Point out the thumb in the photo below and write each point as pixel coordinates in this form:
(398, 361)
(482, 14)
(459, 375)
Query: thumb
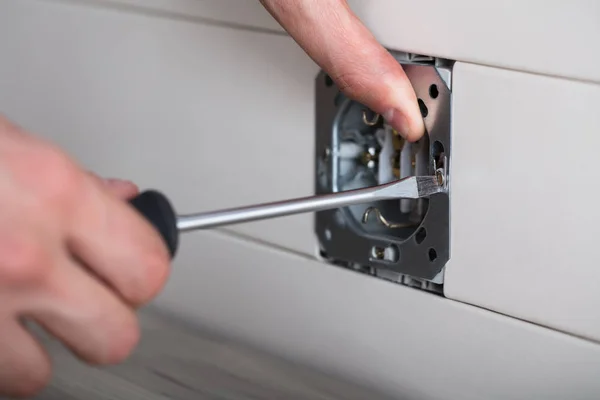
(339, 43)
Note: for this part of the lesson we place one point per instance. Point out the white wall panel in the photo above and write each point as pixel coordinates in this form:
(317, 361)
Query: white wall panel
(249, 13)
(405, 342)
(524, 220)
(552, 37)
(215, 117)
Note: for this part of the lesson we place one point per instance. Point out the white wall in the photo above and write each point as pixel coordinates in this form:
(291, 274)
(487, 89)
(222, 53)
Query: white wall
(217, 116)
(524, 219)
(550, 37)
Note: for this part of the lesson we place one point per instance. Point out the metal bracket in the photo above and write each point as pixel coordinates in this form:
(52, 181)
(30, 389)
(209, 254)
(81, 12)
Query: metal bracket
(419, 240)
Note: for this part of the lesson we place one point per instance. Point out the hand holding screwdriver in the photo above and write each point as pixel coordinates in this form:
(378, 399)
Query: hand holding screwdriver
(75, 258)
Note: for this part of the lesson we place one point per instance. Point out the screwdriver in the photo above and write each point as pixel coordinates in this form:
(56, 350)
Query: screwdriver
(158, 210)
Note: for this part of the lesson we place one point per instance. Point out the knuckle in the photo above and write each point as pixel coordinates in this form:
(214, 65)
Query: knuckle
(356, 87)
(62, 172)
(375, 84)
(32, 381)
(30, 376)
(121, 345)
(154, 269)
(22, 262)
(347, 84)
(60, 178)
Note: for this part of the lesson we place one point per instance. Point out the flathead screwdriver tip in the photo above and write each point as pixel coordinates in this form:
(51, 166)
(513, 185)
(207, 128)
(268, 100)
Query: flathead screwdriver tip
(429, 185)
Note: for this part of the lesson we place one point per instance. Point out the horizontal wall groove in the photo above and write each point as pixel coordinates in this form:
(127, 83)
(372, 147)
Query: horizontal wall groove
(174, 15)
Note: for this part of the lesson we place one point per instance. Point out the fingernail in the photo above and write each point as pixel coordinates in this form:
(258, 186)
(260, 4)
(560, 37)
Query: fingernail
(121, 188)
(119, 182)
(399, 122)
(115, 181)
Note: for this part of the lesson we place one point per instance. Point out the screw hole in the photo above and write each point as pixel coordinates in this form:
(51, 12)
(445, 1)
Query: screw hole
(433, 91)
(328, 81)
(389, 254)
(377, 252)
(437, 149)
(420, 235)
(337, 100)
(423, 108)
(432, 255)
(339, 218)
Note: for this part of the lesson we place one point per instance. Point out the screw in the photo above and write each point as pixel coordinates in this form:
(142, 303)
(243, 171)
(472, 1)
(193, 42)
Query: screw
(378, 253)
(441, 179)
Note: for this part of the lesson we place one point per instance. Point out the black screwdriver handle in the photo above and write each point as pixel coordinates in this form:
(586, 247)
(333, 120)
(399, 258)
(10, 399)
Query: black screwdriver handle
(157, 209)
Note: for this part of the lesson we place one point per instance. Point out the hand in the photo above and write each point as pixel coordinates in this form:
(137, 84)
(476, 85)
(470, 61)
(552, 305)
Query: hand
(74, 258)
(336, 40)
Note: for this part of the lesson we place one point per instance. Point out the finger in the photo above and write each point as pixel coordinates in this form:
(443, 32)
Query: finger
(335, 39)
(116, 244)
(121, 188)
(24, 364)
(85, 315)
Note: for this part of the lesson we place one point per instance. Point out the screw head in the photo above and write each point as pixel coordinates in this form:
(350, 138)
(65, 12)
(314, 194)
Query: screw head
(441, 179)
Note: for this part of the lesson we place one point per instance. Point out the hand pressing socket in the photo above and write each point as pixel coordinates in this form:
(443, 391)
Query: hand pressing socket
(342, 46)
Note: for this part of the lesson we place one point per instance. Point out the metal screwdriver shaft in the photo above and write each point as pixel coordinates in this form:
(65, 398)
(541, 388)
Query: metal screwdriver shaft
(408, 188)
(157, 209)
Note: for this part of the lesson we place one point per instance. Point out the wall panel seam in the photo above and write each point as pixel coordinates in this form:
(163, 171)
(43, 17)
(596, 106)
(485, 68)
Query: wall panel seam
(164, 14)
